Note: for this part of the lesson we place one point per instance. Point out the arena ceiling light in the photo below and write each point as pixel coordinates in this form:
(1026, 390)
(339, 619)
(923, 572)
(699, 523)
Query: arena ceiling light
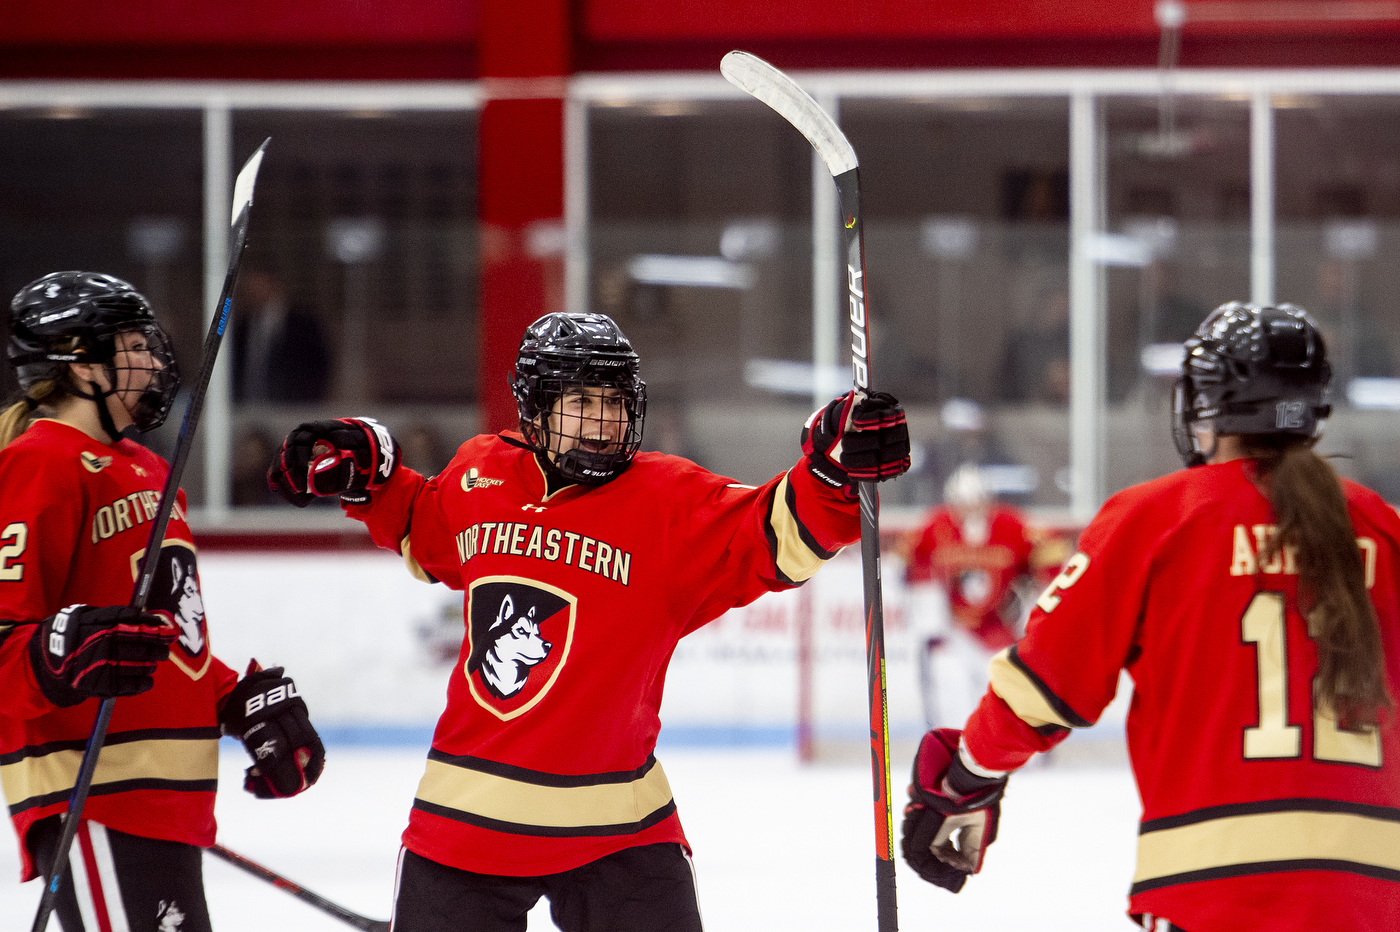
(690, 271)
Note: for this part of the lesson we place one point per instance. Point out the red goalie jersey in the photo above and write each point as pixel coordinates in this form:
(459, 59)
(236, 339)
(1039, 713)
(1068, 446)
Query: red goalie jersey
(1258, 812)
(977, 574)
(74, 520)
(575, 601)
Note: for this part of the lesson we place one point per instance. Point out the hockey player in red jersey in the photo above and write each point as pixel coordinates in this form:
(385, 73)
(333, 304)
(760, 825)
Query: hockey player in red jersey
(960, 569)
(77, 496)
(1254, 599)
(583, 562)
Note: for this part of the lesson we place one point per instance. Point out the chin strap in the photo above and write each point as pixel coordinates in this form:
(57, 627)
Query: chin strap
(104, 417)
(1201, 457)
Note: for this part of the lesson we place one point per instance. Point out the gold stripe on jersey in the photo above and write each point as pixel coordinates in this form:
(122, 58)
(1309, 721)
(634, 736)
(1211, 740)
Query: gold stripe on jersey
(415, 569)
(1027, 694)
(506, 801)
(795, 550)
(30, 779)
(1365, 841)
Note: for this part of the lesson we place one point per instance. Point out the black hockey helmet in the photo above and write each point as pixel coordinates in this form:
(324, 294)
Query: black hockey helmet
(1252, 369)
(67, 317)
(565, 352)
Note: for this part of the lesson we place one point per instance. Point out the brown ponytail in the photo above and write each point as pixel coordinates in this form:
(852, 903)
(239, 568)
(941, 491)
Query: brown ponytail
(1312, 517)
(16, 418)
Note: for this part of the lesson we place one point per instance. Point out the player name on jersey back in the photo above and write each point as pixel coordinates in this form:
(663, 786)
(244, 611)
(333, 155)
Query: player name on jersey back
(1248, 544)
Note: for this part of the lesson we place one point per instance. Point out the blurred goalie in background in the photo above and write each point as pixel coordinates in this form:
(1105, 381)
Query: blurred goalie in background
(970, 569)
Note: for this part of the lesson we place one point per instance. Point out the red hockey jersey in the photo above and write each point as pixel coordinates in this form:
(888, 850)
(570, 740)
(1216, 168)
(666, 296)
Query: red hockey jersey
(74, 521)
(542, 760)
(977, 576)
(1257, 811)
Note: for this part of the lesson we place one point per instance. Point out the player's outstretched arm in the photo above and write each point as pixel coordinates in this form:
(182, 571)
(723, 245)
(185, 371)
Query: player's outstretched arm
(265, 712)
(857, 438)
(952, 813)
(349, 457)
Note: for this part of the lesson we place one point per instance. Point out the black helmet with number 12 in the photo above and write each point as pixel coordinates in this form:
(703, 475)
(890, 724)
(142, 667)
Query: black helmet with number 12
(572, 352)
(1251, 369)
(68, 317)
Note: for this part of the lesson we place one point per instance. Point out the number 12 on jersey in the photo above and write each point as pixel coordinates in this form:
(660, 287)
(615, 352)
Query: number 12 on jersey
(1263, 624)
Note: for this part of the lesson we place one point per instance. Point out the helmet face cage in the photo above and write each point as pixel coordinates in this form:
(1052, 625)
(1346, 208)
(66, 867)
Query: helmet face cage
(565, 355)
(566, 448)
(68, 317)
(1251, 370)
(157, 369)
(1183, 436)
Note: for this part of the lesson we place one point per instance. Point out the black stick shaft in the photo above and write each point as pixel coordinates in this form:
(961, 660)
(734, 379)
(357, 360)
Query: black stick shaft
(848, 185)
(142, 589)
(298, 891)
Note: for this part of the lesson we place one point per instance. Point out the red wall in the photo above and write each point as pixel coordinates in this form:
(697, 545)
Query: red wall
(440, 38)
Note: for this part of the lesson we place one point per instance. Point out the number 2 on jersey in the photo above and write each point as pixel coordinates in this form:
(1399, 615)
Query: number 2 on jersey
(1263, 624)
(15, 537)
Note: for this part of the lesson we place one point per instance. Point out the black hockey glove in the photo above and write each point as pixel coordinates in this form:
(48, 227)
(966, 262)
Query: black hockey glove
(349, 457)
(857, 438)
(266, 713)
(952, 813)
(84, 651)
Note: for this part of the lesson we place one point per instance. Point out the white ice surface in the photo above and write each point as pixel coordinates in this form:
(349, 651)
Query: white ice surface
(778, 845)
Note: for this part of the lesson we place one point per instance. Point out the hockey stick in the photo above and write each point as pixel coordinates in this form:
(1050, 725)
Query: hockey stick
(761, 80)
(298, 891)
(238, 233)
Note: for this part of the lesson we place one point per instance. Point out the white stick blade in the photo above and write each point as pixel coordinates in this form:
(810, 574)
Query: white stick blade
(243, 184)
(756, 77)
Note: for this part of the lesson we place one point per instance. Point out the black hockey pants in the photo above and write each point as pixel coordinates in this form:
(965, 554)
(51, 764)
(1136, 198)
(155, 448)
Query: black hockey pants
(650, 888)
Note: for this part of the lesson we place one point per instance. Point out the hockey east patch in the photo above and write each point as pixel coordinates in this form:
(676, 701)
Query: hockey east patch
(519, 632)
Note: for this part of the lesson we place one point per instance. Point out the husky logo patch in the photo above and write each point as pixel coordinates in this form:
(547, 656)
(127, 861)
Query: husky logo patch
(169, 916)
(519, 632)
(94, 463)
(175, 593)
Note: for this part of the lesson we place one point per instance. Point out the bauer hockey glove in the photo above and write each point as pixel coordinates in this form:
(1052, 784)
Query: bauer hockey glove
(83, 652)
(857, 438)
(349, 457)
(266, 713)
(952, 813)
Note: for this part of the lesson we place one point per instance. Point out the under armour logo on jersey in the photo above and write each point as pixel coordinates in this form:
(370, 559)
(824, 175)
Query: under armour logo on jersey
(1289, 415)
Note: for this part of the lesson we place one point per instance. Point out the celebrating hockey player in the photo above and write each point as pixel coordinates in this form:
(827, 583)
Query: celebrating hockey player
(77, 496)
(583, 562)
(1254, 599)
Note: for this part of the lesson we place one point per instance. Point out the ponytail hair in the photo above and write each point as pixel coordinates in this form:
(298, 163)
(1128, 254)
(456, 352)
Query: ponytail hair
(1313, 521)
(16, 419)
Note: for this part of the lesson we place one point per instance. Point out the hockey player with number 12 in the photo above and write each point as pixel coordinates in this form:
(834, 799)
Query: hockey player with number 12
(583, 561)
(1254, 599)
(77, 498)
